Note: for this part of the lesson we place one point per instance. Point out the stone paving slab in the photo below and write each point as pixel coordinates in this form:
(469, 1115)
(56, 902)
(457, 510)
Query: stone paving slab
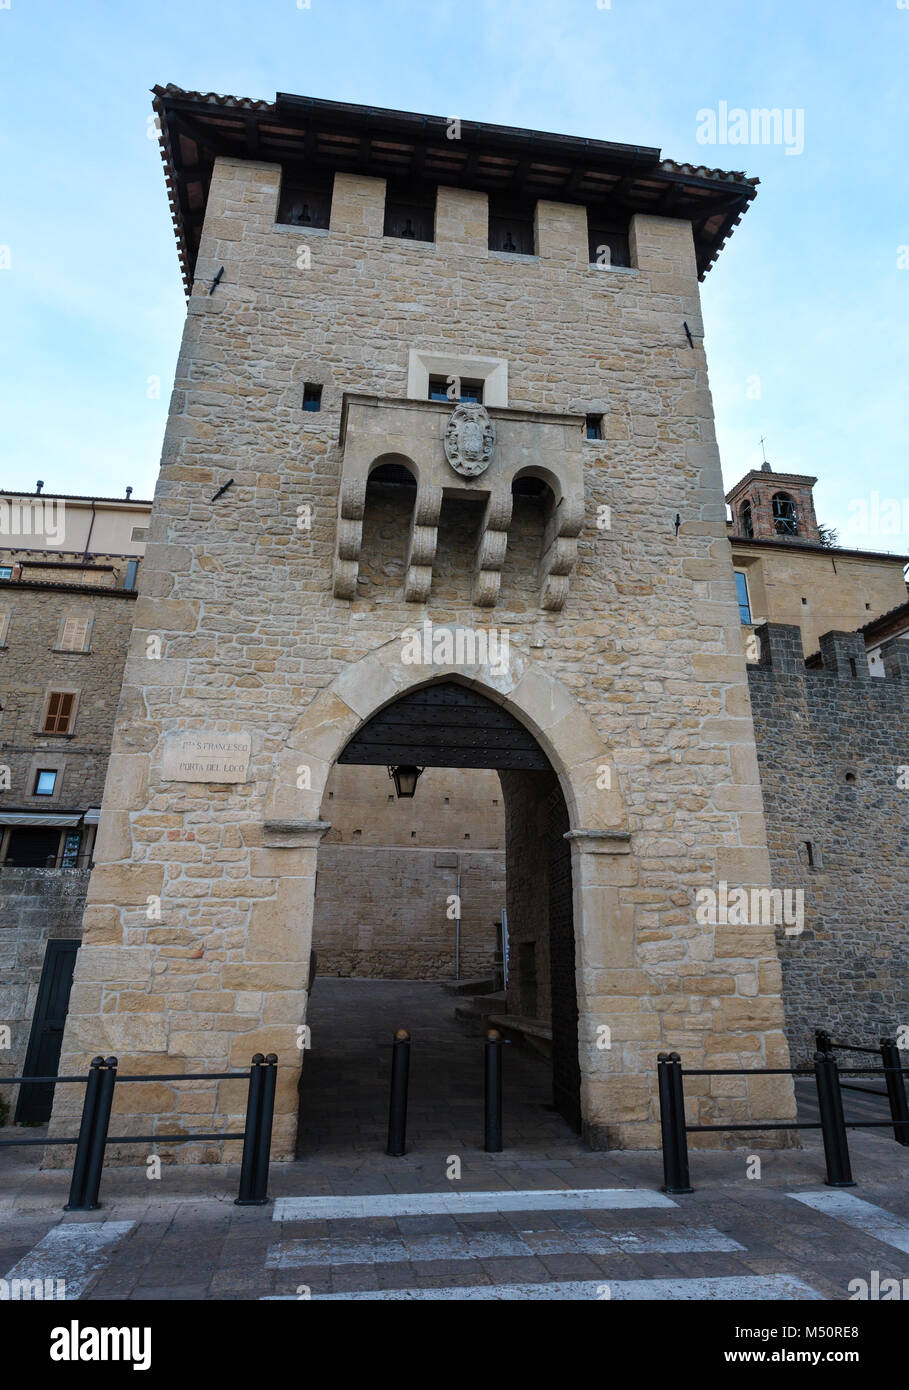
(187, 1241)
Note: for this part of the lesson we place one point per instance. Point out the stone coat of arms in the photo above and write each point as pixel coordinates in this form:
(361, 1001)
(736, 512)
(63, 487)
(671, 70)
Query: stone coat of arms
(470, 439)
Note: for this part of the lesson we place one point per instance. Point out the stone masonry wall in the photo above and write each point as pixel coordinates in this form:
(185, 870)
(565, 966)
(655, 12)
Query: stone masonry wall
(383, 913)
(830, 748)
(642, 669)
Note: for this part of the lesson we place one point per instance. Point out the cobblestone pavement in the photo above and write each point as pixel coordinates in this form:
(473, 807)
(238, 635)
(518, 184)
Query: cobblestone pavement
(545, 1219)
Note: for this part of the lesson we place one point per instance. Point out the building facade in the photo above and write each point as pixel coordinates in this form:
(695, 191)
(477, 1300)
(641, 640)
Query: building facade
(68, 570)
(439, 490)
(617, 712)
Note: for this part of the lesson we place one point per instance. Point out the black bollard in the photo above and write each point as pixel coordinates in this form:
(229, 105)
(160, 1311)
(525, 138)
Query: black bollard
(251, 1137)
(672, 1124)
(833, 1123)
(494, 1047)
(397, 1101)
(896, 1089)
(84, 1143)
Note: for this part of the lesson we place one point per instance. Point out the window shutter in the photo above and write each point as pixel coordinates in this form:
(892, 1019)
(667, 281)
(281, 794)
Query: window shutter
(75, 634)
(59, 712)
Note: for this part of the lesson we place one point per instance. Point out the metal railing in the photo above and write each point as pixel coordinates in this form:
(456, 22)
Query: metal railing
(74, 861)
(832, 1123)
(93, 1137)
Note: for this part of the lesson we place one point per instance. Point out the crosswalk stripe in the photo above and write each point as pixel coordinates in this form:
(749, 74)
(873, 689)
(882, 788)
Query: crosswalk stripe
(463, 1203)
(757, 1287)
(64, 1262)
(874, 1221)
(488, 1245)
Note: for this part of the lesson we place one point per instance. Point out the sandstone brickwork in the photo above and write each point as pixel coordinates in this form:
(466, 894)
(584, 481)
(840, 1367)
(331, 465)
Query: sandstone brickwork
(636, 688)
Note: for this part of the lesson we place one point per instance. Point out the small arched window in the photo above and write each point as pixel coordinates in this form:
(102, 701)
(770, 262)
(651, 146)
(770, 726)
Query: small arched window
(785, 517)
(746, 521)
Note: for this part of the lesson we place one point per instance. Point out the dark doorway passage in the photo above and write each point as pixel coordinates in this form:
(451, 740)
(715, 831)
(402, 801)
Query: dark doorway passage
(42, 1057)
(451, 725)
(345, 1078)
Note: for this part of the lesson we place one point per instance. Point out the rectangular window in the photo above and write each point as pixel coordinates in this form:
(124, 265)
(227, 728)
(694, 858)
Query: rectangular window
(454, 388)
(607, 239)
(32, 849)
(305, 199)
(139, 533)
(132, 569)
(312, 396)
(511, 225)
(74, 636)
(410, 211)
(741, 588)
(45, 782)
(6, 572)
(59, 712)
(594, 427)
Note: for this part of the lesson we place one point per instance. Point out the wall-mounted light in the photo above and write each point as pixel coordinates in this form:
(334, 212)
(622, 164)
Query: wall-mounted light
(405, 778)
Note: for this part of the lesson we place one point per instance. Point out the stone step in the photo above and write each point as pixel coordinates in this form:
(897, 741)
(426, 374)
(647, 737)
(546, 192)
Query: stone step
(515, 1023)
(474, 1013)
(492, 1003)
(469, 986)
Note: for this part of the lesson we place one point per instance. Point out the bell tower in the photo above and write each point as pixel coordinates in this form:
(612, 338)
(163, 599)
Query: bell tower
(770, 506)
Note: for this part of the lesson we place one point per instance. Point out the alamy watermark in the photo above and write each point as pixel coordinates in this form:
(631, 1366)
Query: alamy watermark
(874, 515)
(752, 907)
(761, 125)
(34, 516)
(427, 645)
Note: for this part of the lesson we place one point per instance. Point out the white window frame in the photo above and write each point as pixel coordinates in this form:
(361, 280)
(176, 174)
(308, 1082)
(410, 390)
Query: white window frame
(41, 772)
(492, 371)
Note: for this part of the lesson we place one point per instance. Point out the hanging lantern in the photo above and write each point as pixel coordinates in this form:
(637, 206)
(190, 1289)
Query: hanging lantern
(405, 778)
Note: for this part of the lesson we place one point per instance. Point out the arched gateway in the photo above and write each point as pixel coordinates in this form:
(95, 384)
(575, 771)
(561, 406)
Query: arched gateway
(505, 713)
(565, 492)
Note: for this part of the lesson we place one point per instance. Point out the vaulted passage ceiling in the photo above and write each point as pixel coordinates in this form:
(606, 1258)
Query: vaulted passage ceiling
(446, 725)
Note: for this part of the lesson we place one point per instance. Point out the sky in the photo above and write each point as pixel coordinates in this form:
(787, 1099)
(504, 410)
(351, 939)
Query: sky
(805, 311)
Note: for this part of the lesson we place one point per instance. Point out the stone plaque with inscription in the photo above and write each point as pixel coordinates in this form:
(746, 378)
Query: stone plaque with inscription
(201, 757)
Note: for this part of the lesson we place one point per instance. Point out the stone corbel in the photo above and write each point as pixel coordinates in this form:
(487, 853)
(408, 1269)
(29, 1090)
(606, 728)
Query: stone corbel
(601, 841)
(421, 547)
(560, 552)
(351, 507)
(491, 548)
(294, 834)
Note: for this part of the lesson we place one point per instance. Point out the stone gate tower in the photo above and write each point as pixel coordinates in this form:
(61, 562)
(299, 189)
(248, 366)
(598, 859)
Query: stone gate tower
(502, 326)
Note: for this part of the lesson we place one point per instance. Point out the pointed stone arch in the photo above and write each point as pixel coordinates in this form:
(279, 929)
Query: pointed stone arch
(599, 840)
(543, 704)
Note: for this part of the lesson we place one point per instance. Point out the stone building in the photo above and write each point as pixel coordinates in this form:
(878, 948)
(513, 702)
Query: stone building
(439, 490)
(890, 626)
(785, 573)
(67, 593)
(365, 265)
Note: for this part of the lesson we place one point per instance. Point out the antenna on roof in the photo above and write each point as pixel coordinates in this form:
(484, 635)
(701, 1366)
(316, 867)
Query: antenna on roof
(765, 466)
(39, 485)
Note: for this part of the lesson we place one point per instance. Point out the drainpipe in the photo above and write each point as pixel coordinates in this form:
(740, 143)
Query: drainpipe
(88, 539)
